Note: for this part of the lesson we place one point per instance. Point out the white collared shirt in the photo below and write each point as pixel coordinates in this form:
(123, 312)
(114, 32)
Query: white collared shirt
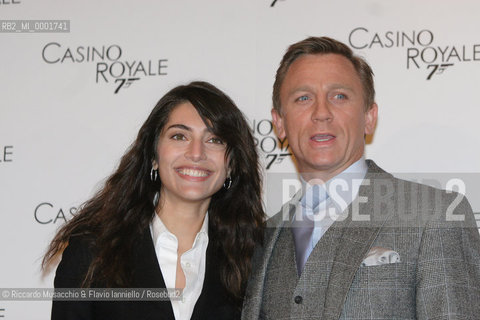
(192, 263)
(342, 190)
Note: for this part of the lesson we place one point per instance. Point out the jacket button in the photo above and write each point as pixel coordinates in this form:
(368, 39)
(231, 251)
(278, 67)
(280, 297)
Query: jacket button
(298, 299)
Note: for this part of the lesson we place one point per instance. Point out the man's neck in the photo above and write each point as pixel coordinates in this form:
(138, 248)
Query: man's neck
(322, 177)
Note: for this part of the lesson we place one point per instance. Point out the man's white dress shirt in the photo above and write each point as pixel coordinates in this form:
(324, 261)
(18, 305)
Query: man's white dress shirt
(341, 189)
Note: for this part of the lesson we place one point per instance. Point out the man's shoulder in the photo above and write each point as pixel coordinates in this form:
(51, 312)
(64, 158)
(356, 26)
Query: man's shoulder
(430, 202)
(375, 172)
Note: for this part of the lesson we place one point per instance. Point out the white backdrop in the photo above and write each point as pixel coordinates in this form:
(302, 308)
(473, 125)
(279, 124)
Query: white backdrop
(63, 128)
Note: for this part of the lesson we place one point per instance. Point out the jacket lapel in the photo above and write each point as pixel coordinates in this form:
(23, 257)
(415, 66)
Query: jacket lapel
(261, 258)
(147, 274)
(211, 284)
(214, 301)
(357, 238)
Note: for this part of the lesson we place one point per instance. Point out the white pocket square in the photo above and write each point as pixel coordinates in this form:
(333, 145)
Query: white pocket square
(378, 256)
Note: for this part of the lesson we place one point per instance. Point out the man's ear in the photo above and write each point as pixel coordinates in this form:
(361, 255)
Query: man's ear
(371, 119)
(278, 123)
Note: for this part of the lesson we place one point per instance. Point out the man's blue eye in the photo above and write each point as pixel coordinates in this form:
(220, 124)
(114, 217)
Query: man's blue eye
(302, 98)
(340, 96)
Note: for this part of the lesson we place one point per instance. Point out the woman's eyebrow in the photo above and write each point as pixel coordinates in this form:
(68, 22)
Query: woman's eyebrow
(179, 126)
(186, 128)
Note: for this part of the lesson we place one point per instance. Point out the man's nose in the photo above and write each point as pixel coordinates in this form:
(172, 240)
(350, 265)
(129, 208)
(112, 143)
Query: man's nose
(322, 111)
(196, 150)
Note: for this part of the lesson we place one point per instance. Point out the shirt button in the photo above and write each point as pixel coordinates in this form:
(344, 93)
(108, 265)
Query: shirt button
(298, 299)
(187, 265)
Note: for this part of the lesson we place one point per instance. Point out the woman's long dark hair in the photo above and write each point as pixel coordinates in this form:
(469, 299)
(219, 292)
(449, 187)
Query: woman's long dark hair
(117, 216)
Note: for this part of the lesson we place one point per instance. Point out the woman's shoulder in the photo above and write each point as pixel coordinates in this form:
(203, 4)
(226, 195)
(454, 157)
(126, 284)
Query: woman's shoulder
(76, 259)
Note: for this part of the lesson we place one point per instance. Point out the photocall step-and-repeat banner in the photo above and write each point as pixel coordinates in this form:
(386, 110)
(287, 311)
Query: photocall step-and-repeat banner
(78, 78)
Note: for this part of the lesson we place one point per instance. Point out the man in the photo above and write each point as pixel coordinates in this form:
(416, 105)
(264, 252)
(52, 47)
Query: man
(355, 242)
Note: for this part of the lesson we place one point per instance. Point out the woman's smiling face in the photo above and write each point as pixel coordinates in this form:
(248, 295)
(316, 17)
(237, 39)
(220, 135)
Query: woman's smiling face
(190, 159)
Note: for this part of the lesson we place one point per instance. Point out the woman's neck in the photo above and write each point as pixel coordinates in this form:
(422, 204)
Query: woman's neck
(183, 219)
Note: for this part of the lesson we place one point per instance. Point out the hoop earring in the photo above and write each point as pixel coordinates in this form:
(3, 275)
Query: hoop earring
(153, 175)
(156, 197)
(228, 183)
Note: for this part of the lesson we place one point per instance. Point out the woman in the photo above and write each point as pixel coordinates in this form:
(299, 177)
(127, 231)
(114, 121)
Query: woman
(183, 210)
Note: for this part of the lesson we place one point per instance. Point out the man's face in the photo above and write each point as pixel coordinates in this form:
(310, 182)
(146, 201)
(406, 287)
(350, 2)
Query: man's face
(323, 114)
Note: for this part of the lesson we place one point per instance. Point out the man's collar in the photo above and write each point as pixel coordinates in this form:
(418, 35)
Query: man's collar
(342, 188)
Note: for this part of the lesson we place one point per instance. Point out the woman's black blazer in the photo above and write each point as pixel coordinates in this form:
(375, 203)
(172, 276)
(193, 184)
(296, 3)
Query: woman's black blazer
(213, 303)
